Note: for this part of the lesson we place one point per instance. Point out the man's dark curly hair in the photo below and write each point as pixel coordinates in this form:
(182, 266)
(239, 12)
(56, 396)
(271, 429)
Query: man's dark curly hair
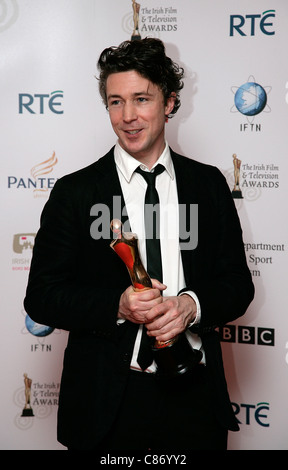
(148, 58)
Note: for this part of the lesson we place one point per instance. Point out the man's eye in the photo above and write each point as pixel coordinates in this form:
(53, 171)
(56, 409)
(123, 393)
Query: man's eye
(141, 99)
(114, 103)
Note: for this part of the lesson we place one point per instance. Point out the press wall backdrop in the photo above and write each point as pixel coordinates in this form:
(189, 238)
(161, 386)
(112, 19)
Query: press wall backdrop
(234, 115)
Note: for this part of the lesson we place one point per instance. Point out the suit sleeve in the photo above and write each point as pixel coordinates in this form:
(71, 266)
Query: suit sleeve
(63, 290)
(223, 282)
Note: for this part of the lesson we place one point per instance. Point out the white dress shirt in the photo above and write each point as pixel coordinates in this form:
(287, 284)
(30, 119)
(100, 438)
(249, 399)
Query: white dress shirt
(134, 188)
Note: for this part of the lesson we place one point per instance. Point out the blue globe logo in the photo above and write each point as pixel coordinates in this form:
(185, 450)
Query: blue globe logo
(36, 329)
(250, 99)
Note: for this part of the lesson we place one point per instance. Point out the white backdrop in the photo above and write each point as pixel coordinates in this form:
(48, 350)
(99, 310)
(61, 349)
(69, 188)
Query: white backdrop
(53, 122)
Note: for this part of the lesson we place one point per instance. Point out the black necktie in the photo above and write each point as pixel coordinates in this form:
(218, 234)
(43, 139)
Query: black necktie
(153, 250)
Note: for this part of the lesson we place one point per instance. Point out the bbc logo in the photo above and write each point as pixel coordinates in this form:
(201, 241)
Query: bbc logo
(247, 335)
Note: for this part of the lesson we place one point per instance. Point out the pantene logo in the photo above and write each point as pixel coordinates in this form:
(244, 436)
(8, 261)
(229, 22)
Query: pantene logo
(39, 182)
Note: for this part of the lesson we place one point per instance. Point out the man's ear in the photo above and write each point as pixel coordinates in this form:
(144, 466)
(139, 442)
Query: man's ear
(170, 103)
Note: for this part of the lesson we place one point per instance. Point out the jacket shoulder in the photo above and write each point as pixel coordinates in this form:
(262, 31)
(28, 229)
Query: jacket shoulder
(189, 166)
(91, 172)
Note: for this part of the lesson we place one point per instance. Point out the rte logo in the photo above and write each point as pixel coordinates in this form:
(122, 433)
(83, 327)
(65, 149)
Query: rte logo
(246, 25)
(41, 102)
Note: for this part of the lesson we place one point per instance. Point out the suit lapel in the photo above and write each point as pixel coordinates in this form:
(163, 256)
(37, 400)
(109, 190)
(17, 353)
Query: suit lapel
(111, 193)
(188, 213)
(110, 188)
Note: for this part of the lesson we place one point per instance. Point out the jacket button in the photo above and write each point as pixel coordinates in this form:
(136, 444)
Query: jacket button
(125, 357)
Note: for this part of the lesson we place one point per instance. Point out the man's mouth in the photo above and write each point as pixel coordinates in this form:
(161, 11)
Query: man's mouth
(133, 132)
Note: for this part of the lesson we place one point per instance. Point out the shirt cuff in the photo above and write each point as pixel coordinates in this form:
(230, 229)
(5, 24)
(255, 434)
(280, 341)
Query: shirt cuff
(198, 308)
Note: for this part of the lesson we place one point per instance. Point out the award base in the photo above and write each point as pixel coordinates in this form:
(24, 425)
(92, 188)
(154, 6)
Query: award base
(177, 359)
(237, 194)
(135, 37)
(27, 412)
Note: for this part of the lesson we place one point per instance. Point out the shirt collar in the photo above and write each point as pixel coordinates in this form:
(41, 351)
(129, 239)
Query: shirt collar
(128, 164)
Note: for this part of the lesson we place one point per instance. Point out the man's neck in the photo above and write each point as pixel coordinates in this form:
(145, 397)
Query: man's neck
(148, 159)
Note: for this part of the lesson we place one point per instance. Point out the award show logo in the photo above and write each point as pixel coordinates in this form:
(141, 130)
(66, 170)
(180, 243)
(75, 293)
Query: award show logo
(36, 400)
(250, 99)
(247, 181)
(143, 21)
(39, 182)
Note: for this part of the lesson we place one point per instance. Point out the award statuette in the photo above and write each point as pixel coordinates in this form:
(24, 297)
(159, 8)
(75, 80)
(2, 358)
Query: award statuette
(136, 8)
(176, 356)
(27, 410)
(236, 192)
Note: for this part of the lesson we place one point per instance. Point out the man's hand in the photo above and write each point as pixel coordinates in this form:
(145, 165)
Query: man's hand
(164, 317)
(135, 305)
(171, 317)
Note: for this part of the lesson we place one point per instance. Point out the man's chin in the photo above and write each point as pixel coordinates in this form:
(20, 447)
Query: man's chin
(135, 151)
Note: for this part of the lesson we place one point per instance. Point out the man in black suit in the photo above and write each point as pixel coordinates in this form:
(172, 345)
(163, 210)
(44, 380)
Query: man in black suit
(78, 283)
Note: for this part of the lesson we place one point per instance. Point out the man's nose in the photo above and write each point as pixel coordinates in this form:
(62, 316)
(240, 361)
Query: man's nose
(129, 112)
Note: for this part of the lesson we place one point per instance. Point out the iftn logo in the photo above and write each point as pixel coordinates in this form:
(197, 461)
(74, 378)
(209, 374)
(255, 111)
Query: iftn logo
(250, 98)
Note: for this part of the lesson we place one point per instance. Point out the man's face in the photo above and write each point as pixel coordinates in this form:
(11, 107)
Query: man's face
(137, 114)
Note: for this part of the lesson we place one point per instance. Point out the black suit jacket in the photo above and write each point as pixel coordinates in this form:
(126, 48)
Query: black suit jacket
(76, 281)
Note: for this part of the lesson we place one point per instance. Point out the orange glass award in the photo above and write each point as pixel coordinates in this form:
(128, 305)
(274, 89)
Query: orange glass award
(176, 356)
